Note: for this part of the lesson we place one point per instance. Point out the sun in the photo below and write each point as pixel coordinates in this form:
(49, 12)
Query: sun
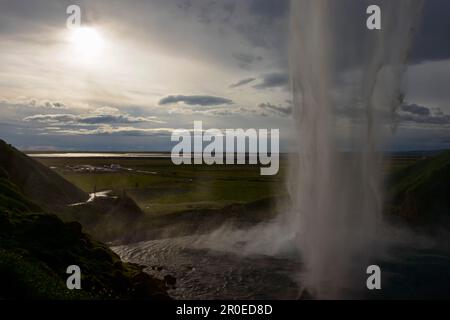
(88, 43)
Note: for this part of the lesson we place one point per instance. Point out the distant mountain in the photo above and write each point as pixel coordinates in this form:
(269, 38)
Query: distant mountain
(36, 248)
(420, 193)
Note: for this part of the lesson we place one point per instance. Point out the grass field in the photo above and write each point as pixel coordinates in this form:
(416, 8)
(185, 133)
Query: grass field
(181, 200)
(160, 187)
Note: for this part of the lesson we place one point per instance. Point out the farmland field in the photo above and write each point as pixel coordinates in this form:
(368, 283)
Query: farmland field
(159, 187)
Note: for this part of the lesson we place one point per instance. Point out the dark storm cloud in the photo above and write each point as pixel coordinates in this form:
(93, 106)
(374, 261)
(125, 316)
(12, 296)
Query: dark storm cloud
(432, 41)
(195, 100)
(209, 11)
(184, 5)
(270, 9)
(19, 16)
(242, 82)
(266, 26)
(229, 8)
(416, 109)
(431, 35)
(246, 60)
(284, 111)
(441, 120)
(262, 24)
(273, 80)
(213, 11)
(413, 113)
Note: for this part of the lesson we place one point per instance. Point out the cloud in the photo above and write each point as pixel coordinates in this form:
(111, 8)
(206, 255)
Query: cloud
(431, 41)
(273, 80)
(48, 104)
(427, 83)
(52, 118)
(407, 115)
(246, 60)
(261, 110)
(104, 115)
(416, 109)
(195, 100)
(109, 130)
(283, 111)
(270, 9)
(208, 111)
(414, 113)
(242, 82)
(266, 24)
(34, 103)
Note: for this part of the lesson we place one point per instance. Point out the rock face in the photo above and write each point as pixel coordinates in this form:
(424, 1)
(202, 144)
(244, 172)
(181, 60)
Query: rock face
(170, 280)
(36, 252)
(106, 218)
(36, 247)
(37, 182)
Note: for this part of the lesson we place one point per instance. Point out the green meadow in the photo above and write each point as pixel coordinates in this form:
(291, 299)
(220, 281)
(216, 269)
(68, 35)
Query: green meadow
(159, 187)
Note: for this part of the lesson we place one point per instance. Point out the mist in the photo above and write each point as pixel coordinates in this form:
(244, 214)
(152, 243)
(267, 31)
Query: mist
(333, 223)
(337, 197)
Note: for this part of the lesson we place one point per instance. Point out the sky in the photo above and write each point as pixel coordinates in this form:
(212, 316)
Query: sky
(145, 68)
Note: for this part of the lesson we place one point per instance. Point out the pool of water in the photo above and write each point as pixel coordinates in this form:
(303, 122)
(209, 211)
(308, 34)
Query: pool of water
(205, 271)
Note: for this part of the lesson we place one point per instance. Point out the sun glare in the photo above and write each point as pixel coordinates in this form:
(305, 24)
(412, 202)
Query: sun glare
(88, 42)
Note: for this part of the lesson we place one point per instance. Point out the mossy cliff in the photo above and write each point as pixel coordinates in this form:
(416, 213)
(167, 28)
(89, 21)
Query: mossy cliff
(36, 248)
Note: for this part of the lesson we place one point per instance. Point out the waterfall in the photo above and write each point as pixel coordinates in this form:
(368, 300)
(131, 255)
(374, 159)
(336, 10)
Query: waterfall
(346, 83)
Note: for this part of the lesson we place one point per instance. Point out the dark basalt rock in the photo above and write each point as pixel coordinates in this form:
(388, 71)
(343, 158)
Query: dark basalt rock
(170, 280)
